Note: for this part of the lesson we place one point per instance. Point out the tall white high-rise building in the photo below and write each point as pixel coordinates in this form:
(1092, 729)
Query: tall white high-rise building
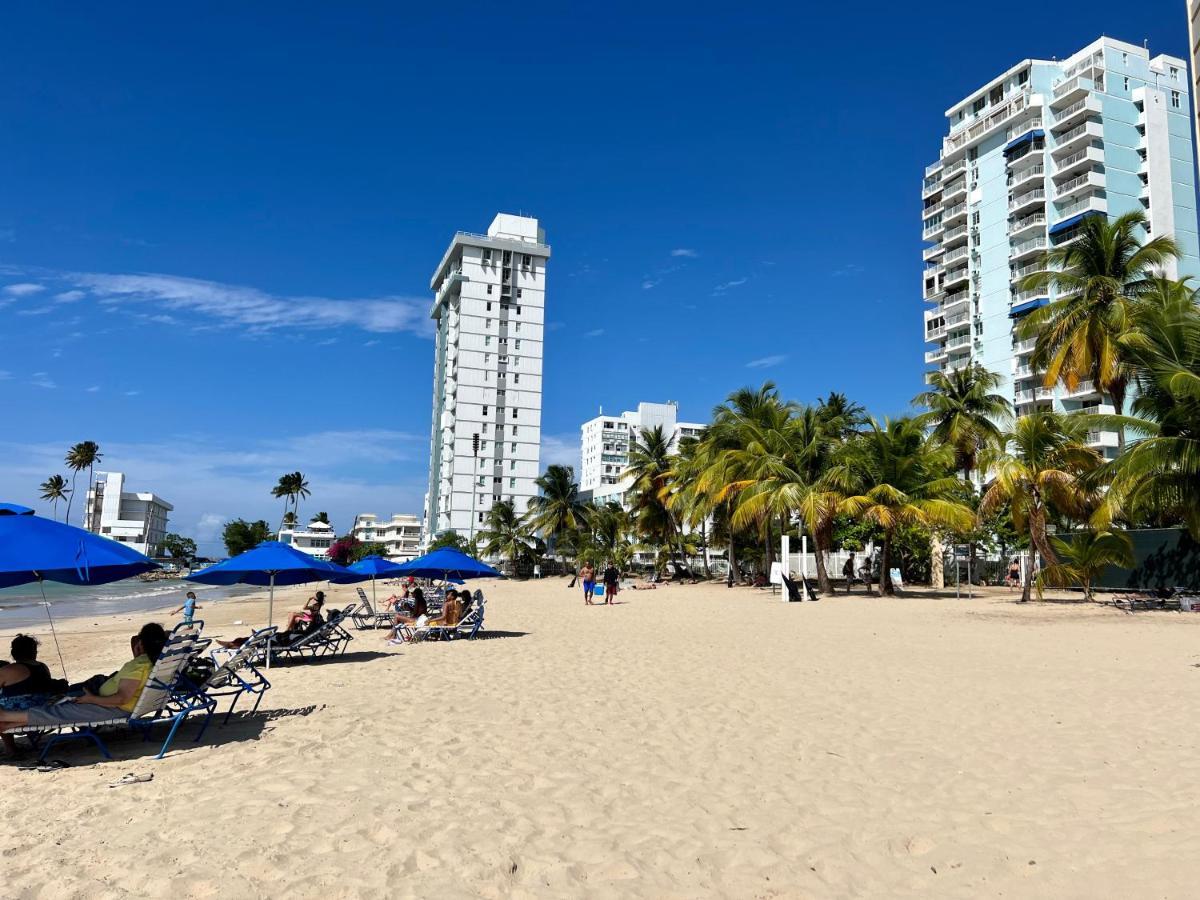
(1027, 158)
(605, 443)
(489, 303)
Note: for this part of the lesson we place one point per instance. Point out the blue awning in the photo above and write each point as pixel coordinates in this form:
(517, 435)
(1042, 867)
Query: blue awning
(1024, 139)
(1073, 221)
(1028, 306)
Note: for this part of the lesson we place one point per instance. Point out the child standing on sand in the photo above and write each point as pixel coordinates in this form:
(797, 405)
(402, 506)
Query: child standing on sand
(188, 609)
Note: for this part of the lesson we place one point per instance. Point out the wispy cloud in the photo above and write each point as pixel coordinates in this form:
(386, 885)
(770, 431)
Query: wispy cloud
(69, 296)
(42, 380)
(726, 285)
(766, 362)
(36, 311)
(685, 252)
(132, 393)
(370, 343)
(253, 309)
(92, 389)
(24, 289)
(5, 375)
(560, 449)
(594, 333)
(847, 269)
(648, 283)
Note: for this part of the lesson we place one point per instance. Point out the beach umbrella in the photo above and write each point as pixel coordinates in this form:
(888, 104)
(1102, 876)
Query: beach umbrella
(449, 565)
(36, 549)
(374, 566)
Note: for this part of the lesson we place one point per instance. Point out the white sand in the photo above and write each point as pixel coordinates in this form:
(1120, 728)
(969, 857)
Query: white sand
(693, 741)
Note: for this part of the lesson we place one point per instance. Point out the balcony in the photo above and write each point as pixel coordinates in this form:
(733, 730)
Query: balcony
(1032, 395)
(1024, 346)
(1029, 247)
(955, 234)
(1079, 161)
(1029, 173)
(931, 252)
(954, 304)
(956, 276)
(1083, 389)
(1101, 439)
(1037, 220)
(1086, 181)
(932, 231)
(970, 132)
(932, 170)
(1020, 272)
(936, 333)
(961, 340)
(955, 255)
(1024, 373)
(957, 321)
(1068, 91)
(1092, 64)
(955, 190)
(954, 213)
(1027, 200)
(1015, 131)
(953, 169)
(933, 356)
(1076, 139)
(1076, 112)
(1090, 203)
(931, 186)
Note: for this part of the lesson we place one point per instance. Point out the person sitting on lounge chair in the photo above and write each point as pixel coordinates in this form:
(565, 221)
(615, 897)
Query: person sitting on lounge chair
(298, 626)
(398, 602)
(419, 608)
(25, 682)
(115, 698)
(453, 609)
(305, 616)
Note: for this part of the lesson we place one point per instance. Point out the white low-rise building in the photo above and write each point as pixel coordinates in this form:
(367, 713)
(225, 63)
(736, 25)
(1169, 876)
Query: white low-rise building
(315, 539)
(401, 534)
(136, 519)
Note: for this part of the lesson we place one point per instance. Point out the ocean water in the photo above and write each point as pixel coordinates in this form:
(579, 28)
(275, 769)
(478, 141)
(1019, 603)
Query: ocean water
(23, 607)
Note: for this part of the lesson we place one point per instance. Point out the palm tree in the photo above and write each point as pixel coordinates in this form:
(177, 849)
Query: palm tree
(83, 455)
(843, 417)
(901, 475)
(1041, 472)
(558, 509)
(289, 519)
(54, 489)
(1157, 478)
(1096, 278)
(282, 490)
(505, 535)
(963, 412)
(649, 470)
(1084, 557)
(321, 517)
(693, 507)
(292, 487)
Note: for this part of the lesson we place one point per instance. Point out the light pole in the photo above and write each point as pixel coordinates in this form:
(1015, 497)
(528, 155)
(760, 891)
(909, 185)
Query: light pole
(474, 484)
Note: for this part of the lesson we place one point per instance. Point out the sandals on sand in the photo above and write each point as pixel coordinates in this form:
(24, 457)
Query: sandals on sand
(131, 779)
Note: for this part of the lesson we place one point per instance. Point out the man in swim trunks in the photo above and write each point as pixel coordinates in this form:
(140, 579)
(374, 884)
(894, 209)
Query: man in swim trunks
(587, 574)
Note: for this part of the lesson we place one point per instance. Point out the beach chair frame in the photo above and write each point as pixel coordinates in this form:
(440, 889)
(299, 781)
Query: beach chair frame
(330, 638)
(366, 616)
(236, 675)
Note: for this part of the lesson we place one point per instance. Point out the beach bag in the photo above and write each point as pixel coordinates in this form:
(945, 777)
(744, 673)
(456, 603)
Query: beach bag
(199, 670)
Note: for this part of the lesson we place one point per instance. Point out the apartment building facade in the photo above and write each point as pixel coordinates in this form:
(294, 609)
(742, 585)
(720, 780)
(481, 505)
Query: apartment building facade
(400, 535)
(606, 441)
(1027, 158)
(137, 519)
(489, 309)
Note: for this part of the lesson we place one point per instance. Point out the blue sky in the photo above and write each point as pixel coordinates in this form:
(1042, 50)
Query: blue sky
(217, 225)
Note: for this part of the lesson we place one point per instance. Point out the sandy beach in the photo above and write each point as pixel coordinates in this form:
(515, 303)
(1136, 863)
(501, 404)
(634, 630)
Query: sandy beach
(690, 741)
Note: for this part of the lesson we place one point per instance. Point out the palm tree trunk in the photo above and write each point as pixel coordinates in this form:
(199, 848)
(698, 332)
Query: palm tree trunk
(1037, 533)
(70, 498)
(822, 572)
(704, 548)
(732, 578)
(885, 561)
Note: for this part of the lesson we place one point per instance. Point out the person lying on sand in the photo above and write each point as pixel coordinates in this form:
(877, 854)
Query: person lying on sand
(115, 698)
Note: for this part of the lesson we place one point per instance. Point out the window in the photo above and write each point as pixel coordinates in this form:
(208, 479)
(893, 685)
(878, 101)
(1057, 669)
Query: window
(481, 481)
(516, 379)
(512, 465)
(487, 323)
(512, 482)
(1124, 59)
(518, 310)
(518, 293)
(514, 413)
(485, 410)
(481, 514)
(517, 326)
(526, 260)
(1175, 99)
(514, 431)
(1023, 77)
(514, 447)
(483, 446)
(489, 288)
(1125, 82)
(486, 255)
(481, 496)
(487, 340)
(517, 345)
(978, 105)
(1174, 73)
(487, 358)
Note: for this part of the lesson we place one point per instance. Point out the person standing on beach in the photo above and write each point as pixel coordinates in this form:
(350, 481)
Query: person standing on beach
(848, 571)
(587, 574)
(612, 582)
(188, 609)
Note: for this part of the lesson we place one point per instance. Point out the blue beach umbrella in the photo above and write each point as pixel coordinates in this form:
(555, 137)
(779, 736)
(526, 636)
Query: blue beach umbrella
(448, 564)
(271, 564)
(37, 549)
(373, 566)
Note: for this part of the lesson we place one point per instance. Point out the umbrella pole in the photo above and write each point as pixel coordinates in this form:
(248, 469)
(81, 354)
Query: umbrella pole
(270, 617)
(53, 633)
(374, 599)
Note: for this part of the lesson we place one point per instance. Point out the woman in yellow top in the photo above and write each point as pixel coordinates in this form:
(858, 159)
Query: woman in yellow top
(115, 698)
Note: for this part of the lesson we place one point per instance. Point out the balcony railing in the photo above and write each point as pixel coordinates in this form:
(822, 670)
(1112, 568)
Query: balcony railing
(970, 131)
(1025, 174)
(1023, 296)
(1079, 181)
(954, 233)
(1078, 82)
(1035, 243)
(931, 230)
(1032, 394)
(1027, 269)
(1095, 60)
(960, 341)
(956, 274)
(1075, 107)
(1015, 131)
(957, 319)
(1068, 161)
(1028, 197)
(1027, 222)
(932, 356)
(953, 169)
(1025, 346)
(1083, 204)
(956, 209)
(956, 254)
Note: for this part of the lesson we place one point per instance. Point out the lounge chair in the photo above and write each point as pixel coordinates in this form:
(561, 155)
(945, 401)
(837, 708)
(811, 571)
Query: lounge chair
(236, 674)
(330, 638)
(366, 616)
(797, 589)
(163, 699)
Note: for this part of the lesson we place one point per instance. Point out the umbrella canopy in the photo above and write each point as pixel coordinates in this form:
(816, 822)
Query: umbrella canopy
(276, 564)
(33, 549)
(373, 566)
(447, 563)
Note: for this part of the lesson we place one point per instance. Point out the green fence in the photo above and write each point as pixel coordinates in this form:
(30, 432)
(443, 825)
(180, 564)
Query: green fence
(1164, 558)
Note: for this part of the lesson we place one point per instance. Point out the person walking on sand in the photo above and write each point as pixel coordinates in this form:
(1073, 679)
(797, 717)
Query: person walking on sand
(587, 574)
(188, 609)
(848, 571)
(1013, 578)
(612, 583)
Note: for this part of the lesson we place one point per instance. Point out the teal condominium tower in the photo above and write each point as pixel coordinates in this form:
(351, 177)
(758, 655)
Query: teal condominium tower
(1027, 158)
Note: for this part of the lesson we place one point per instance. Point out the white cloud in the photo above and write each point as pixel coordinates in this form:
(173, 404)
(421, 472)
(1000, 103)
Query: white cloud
(370, 343)
(255, 310)
(724, 286)
(42, 380)
(648, 283)
(92, 389)
(847, 269)
(5, 375)
(685, 252)
(594, 333)
(36, 311)
(25, 289)
(560, 449)
(765, 362)
(132, 393)
(69, 296)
